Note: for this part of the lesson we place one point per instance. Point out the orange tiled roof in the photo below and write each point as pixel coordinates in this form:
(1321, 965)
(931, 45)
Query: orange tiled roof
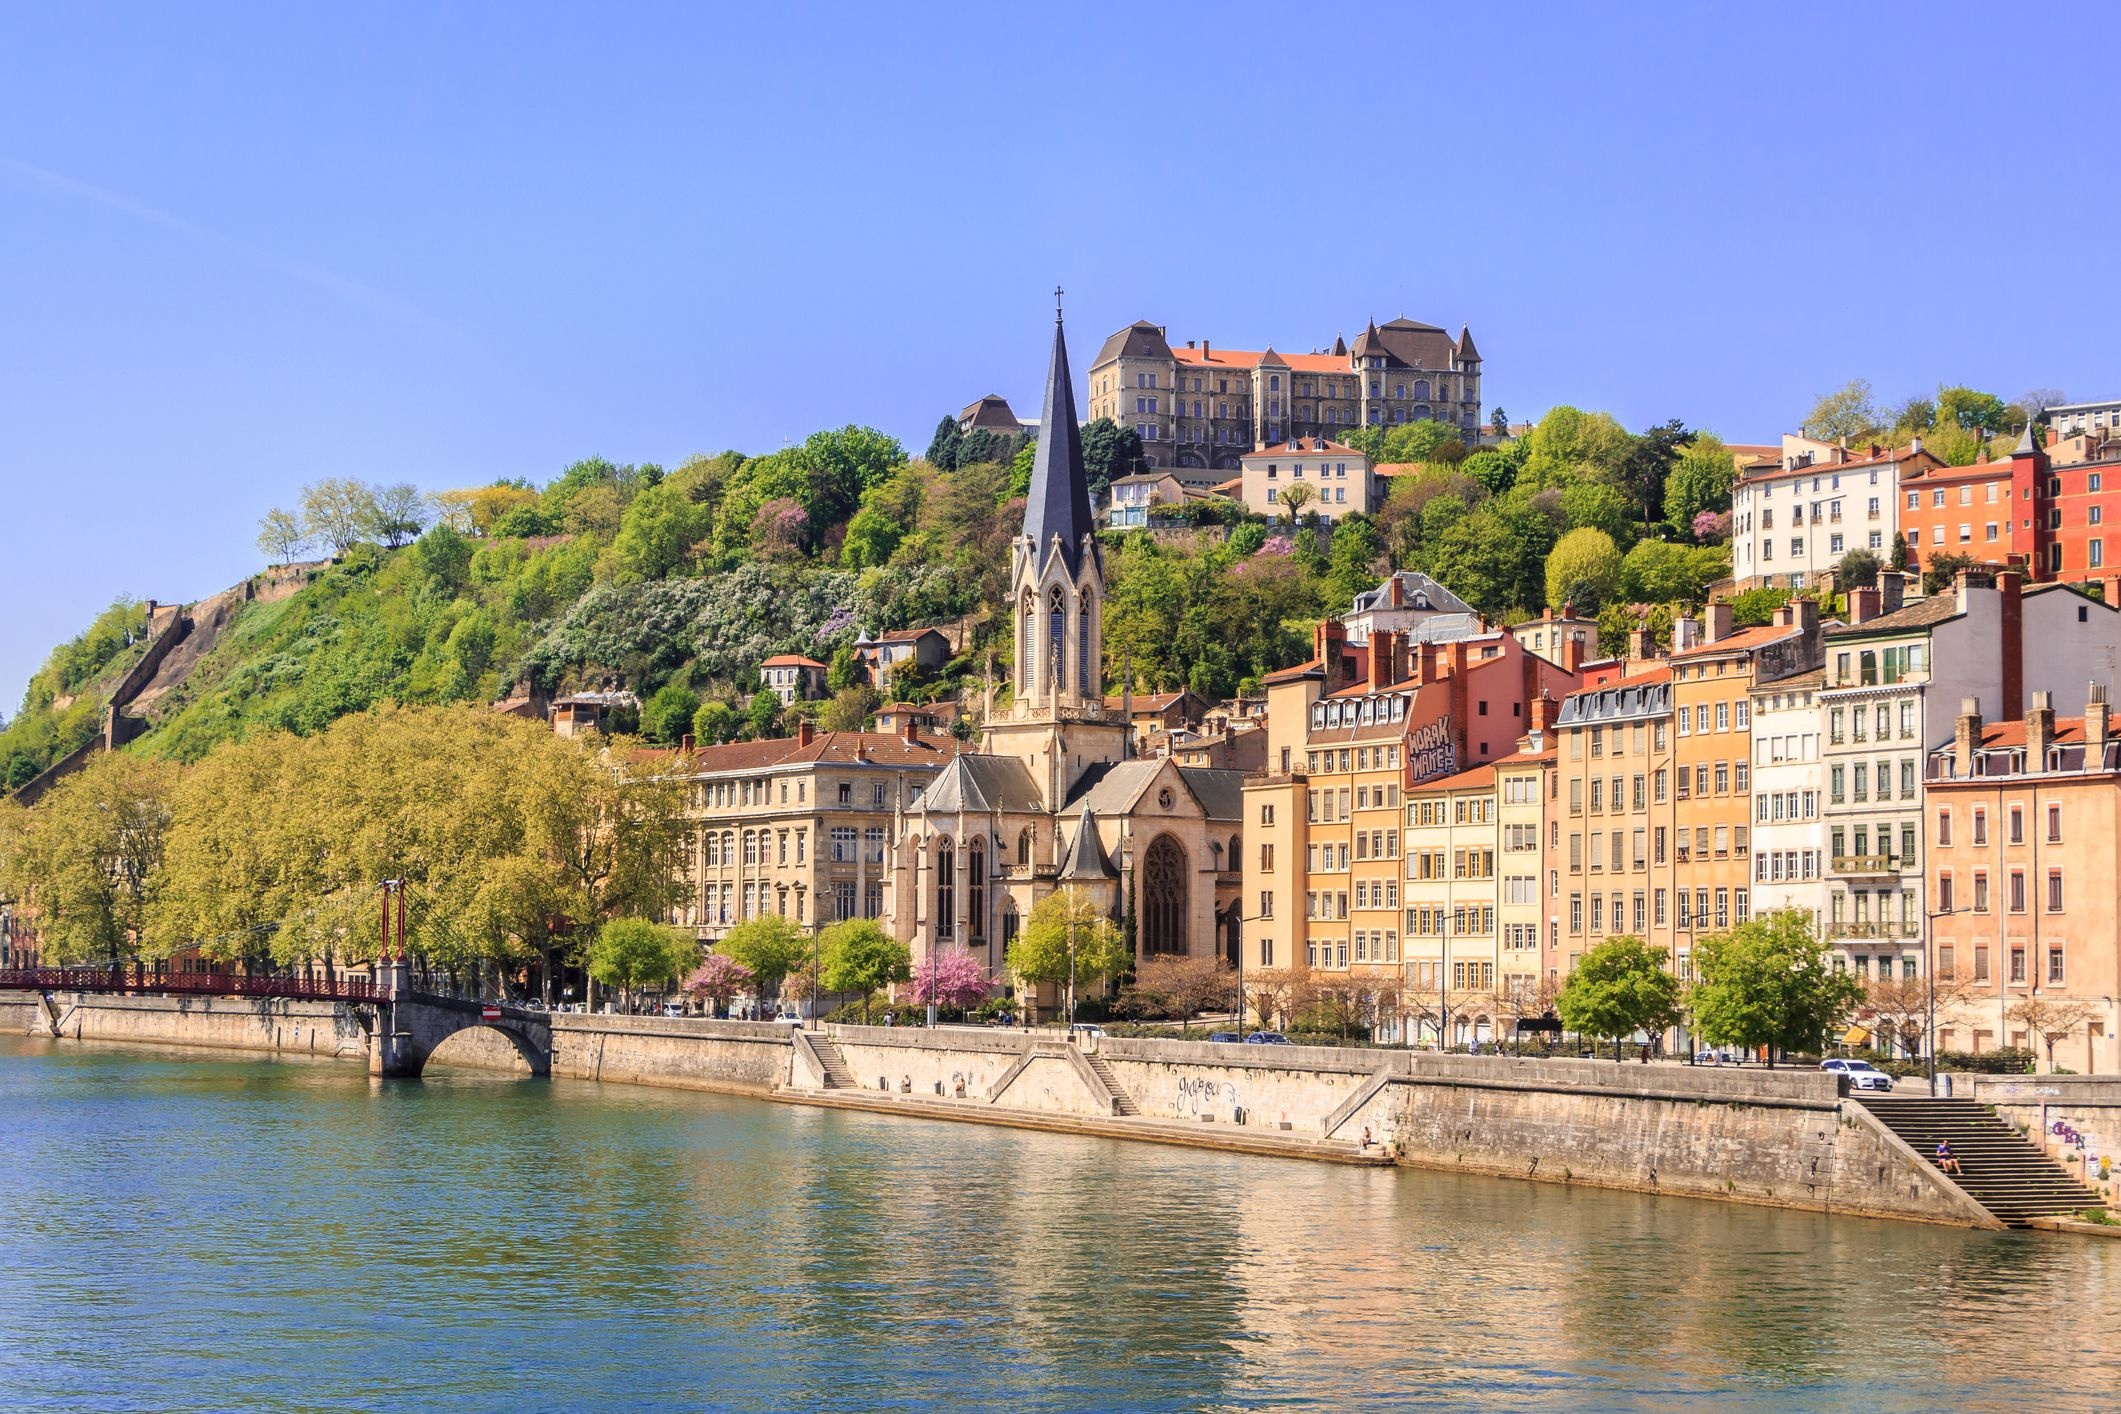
(873, 748)
(1741, 640)
(1464, 780)
(791, 660)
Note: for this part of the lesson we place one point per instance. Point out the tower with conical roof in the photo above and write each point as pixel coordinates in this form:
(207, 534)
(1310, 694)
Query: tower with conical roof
(1057, 722)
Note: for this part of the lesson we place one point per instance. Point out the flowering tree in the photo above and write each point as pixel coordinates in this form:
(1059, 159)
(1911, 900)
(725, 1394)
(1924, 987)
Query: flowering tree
(718, 981)
(780, 526)
(1277, 545)
(957, 979)
(1711, 525)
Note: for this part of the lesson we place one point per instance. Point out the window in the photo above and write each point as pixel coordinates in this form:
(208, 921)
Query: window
(2054, 891)
(2017, 891)
(2054, 824)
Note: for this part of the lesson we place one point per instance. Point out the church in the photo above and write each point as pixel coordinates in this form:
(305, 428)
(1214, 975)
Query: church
(1054, 797)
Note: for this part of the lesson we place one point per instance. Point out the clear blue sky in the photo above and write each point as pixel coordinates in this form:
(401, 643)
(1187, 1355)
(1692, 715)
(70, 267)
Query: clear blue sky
(247, 246)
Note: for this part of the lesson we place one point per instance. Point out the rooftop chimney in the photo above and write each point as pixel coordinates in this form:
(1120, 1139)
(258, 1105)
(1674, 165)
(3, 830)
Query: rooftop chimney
(1382, 648)
(1719, 622)
(1542, 713)
(2039, 730)
(1892, 592)
(685, 744)
(1204, 348)
(2098, 725)
(1330, 638)
(805, 732)
(2010, 584)
(1966, 736)
(1686, 633)
(1864, 605)
(1638, 645)
(1572, 653)
(909, 730)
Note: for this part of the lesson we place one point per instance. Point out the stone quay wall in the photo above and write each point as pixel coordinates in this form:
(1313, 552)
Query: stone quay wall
(1783, 1138)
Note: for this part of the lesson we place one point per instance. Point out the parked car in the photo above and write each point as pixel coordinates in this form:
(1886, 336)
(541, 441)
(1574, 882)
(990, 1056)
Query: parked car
(1085, 1029)
(673, 1009)
(788, 1018)
(1862, 1075)
(1267, 1038)
(1224, 1036)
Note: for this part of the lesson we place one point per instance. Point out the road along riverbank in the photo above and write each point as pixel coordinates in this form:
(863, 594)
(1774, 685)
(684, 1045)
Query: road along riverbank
(1781, 1138)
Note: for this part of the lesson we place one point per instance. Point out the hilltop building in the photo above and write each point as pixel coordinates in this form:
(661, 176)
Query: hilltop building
(1200, 408)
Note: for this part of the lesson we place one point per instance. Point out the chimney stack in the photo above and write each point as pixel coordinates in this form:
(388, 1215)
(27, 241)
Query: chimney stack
(685, 744)
(1892, 592)
(1383, 648)
(805, 732)
(1966, 736)
(2098, 725)
(2010, 584)
(909, 731)
(2039, 730)
(1329, 641)
(1864, 605)
(1572, 653)
(1542, 714)
(1638, 645)
(1719, 622)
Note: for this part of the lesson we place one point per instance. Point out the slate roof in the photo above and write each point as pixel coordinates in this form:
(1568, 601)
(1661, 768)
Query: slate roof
(1086, 857)
(1221, 793)
(1059, 502)
(977, 783)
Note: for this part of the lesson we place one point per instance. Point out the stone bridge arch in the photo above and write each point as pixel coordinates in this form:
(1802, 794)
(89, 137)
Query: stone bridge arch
(409, 1025)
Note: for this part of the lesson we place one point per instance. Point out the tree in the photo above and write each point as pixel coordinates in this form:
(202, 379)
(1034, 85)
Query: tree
(2052, 1019)
(942, 447)
(280, 536)
(849, 709)
(1973, 411)
(717, 982)
(336, 510)
(1700, 480)
(1184, 986)
(1849, 411)
(715, 723)
(1647, 466)
(1770, 982)
(1275, 994)
(1620, 987)
(770, 945)
(87, 859)
(859, 956)
(1943, 569)
(1354, 558)
(396, 514)
(1295, 498)
(2033, 403)
(1069, 940)
(1110, 451)
(956, 979)
(633, 954)
(1499, 422)
(1898, 1009)
(1859, 570)
(763, 715)
(668, 715)
(1583, 569)
(1901, 558)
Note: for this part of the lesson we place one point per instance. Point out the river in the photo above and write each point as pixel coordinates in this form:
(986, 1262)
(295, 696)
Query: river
(182, 1232)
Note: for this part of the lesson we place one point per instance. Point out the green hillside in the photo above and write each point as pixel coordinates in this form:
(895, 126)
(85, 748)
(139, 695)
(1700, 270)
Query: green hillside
(681, 581)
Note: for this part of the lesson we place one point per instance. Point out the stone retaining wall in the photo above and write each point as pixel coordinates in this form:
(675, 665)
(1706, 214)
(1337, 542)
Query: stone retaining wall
(2088, 1104)
(1782, 1138)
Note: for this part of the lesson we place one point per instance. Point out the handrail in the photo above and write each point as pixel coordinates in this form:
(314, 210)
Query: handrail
(138, 979)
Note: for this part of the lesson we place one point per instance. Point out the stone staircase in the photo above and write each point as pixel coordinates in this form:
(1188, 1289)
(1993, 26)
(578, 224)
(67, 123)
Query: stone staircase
(829, 1059)
(2004, 1172)
(1122, 1102)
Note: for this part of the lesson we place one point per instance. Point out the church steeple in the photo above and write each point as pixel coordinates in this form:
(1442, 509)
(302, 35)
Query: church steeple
(1059, 503)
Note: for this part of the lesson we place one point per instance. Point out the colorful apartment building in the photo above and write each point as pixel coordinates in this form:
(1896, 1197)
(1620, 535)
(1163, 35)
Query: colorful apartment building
(1789, 822)
(2024, 825)
(2046, 508)
(1612, 822)
(1792, 521)
(1348, 733)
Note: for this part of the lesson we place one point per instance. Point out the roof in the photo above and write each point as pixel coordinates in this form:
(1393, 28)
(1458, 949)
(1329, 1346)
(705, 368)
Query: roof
(1290, 674)
(1408, 343)
(1221, 793)
(1233, 486)
(1641, 695)
(908, 635)
(834, 748)
(977, 783)
(1796, 682)
(1922, 613)
(791, 660)
(1086, 853)
(991, 411)
(2067, 730)
(1148, 701)
(1410, 589)
(1476, 778)
(1058, 506)
(1296, 445)
(1141, 339)
(1743, 640)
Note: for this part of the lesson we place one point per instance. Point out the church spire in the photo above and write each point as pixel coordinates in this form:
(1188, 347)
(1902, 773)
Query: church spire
(1059, 503)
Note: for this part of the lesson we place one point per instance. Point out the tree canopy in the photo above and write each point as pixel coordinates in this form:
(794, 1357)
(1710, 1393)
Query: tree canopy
(1770, 982)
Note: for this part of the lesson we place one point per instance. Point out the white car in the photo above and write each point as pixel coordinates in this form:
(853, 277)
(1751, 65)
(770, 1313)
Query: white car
(1862, 1075)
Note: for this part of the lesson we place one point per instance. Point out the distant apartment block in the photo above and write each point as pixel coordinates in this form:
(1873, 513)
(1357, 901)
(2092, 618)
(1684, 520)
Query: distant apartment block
(1200, 408)
(2073, 418)
(1793, 520)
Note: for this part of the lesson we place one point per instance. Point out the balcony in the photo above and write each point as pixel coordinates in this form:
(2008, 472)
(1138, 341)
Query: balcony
(1886, 930)
(1866, 864)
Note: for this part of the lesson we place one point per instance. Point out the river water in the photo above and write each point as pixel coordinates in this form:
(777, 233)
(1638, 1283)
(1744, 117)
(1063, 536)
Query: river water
(184, 1232)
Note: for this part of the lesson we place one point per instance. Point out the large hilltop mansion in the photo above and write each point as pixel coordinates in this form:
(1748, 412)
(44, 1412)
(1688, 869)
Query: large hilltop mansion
(1201, 408)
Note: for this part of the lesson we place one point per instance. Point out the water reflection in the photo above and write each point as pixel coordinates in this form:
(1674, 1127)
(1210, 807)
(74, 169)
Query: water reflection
(180, 1231)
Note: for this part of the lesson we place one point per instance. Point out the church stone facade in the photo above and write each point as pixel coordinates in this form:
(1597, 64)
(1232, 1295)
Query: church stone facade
(1054, 798)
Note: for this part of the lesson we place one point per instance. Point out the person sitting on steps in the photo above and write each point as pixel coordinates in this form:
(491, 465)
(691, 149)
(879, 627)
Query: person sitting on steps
(1946, 1159)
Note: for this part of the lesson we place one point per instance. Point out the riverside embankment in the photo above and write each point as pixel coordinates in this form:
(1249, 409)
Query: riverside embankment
(1783, 1138)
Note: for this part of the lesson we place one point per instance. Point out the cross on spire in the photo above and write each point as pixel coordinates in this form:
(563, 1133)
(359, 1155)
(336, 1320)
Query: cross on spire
(1057, 304)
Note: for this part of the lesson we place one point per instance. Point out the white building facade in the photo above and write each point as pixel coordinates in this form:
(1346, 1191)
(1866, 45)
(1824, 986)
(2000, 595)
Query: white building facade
(1789, 794)
(1792, 524)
